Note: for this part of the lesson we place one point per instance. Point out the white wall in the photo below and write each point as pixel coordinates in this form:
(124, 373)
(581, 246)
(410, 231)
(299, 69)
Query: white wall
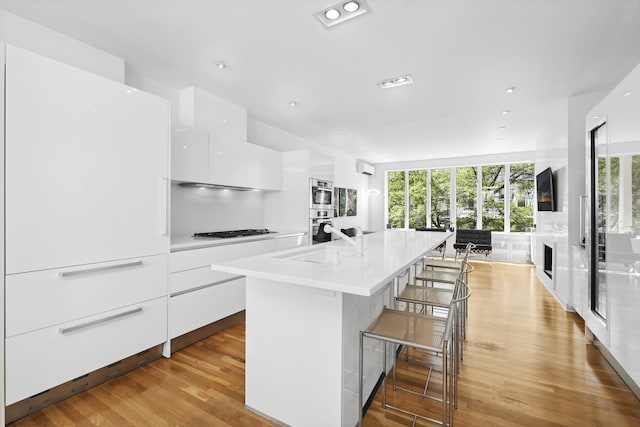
(41, 40)
(552, 227)
(578, 107)
(346, 176)
(561, 146)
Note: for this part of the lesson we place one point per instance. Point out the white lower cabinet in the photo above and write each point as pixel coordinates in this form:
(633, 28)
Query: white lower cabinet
(64, 323)
(50, 297)
(199, 295)
(44, 358)
(194, 309)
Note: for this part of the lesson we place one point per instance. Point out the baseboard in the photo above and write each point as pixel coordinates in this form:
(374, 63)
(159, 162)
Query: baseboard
(70, 388)
(618, 368)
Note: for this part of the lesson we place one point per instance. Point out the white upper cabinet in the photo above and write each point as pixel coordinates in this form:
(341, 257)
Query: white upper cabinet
(86, 167)
(264, 168)
(227, 127)
(190, 154)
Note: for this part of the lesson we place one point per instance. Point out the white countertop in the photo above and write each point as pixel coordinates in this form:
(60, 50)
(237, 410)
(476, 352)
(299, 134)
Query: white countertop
(183, 243)
(386, 254)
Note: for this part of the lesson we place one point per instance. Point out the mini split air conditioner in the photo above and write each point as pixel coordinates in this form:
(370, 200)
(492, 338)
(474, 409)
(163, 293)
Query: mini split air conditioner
(365, 168)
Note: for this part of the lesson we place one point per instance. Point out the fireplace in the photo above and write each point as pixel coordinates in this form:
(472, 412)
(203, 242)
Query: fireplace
(548, 261)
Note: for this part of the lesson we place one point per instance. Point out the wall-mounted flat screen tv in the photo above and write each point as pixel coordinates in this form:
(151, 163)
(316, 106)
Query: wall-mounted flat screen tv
(545, 193)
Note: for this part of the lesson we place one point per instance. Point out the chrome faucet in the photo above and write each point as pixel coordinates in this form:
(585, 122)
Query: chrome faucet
(357, 241)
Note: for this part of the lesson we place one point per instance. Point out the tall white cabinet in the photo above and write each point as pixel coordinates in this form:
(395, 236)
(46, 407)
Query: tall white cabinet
(86, 232)
(611, 296)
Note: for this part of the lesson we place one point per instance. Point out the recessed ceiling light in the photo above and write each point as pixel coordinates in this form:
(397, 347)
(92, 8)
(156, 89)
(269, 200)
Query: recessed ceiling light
(626, 94)
(395, 82)
(293, 104)
(506, 112)
(594, 117)
(221, 65)
(502, 127)
(510, 89)
(332, 14)
(342, 11)
(351, 6)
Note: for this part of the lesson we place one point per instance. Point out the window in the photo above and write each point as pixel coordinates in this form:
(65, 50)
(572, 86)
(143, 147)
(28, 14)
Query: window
(466, 196)
(521, 187)
(614, 198)
(635, 193)
(417, 198)
(493, 198)
(396, 198)
(440, 200)
(422, 197)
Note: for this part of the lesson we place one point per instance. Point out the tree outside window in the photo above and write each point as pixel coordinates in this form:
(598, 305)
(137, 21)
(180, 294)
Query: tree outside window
(417, 198)
(440, 201)
(396, 197)
(521, 189)
(493, 198)
(466, 195)
(635, 193)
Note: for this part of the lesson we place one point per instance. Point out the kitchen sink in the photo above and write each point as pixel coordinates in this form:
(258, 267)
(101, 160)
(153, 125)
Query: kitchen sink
(327, 255)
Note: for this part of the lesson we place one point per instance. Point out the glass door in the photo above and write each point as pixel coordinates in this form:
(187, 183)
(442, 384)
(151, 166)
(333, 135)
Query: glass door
(600, 211)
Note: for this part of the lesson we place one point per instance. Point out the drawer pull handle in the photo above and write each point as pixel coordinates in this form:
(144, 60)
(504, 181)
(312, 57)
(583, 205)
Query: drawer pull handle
(98, 321)
(99, 269)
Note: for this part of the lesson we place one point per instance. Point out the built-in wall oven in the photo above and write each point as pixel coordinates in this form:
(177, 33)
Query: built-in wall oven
(321, 194)
(320, 209)
(315, 225)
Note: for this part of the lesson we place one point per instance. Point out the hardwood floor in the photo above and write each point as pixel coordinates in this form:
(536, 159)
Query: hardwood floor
(525, 364)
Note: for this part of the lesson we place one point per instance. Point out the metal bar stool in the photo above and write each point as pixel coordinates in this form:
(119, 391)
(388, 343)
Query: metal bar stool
(428, 333)
(430, 297)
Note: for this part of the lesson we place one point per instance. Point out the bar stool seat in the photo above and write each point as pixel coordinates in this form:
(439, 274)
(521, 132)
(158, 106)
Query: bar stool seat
(438, 276)
(428, 333)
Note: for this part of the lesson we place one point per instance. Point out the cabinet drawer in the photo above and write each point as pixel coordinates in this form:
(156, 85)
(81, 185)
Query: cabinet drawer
(260, 247)
(49, 297)
(195, 309)
(195, 258)
(185, 280)
(42, 359)
(290, 242)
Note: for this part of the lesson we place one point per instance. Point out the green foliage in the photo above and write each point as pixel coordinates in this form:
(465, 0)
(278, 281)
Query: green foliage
(493, 184)
(635, 193)
(440, 188)
(396, 199)
(417, 198)
(466, 195)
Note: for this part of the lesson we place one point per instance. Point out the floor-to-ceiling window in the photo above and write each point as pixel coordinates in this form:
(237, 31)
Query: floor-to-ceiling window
(417, 198)
(635, 194)
(396, 199)
(466, 197)
(504, 197)
(493, 198)
(521, 196)
(440, 198)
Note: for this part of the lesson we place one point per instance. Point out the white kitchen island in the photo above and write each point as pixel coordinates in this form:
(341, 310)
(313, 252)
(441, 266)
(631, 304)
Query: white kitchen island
(305, 308)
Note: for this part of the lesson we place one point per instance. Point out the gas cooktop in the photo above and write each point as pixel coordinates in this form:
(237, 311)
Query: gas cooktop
(234, 233)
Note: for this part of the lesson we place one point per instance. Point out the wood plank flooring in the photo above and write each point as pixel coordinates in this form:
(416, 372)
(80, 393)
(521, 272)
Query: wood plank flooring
(525, 364)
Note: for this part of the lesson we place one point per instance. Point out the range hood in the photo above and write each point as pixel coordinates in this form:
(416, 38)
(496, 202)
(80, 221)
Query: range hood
(214, 186)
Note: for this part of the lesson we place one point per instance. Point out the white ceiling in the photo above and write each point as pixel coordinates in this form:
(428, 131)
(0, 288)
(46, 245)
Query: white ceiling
(462, 54)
